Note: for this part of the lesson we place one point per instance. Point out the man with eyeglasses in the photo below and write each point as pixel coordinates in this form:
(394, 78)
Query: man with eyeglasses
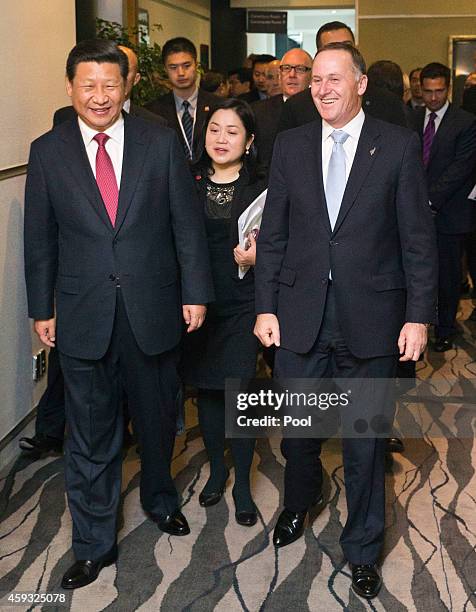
(295, 68)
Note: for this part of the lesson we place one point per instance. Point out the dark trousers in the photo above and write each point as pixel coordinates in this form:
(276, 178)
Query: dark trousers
(93, 460)
(450, 252)
(364, 458)
(50, 416)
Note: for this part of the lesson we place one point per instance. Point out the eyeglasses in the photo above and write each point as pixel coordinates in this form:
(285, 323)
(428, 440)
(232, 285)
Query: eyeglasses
(300, 69)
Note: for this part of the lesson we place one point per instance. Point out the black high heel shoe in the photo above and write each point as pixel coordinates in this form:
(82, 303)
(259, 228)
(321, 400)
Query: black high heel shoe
(210, 499)
(245, 517)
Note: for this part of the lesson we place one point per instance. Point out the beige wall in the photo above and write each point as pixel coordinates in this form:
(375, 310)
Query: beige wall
(412, 33)
(35, 37)
(189, 18)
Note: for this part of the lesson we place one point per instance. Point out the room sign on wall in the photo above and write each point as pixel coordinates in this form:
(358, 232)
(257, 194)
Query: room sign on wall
(269, 22)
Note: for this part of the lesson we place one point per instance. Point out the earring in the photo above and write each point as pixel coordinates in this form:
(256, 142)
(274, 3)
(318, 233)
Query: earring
(247, 151)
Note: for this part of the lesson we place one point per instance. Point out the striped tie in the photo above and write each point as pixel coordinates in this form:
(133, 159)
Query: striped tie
(187, 123)
(428, 136)
(106, 178)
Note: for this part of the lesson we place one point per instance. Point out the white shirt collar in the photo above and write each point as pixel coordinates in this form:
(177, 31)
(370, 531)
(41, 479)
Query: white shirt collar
(127, 106)
(440, 113)
(115, 132)
(353, 128)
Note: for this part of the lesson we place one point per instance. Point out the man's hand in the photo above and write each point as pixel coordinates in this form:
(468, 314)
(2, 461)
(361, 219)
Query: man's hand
(267, 329)
(194, 316)
(412, 341)
(46, 331)
(246, 257)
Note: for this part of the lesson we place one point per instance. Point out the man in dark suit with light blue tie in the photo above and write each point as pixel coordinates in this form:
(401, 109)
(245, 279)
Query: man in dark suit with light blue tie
(346, 282)
(114, 265)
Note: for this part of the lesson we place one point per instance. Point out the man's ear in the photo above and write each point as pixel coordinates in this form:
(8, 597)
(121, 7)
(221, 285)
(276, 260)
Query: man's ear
(69, 87)
(363, 81)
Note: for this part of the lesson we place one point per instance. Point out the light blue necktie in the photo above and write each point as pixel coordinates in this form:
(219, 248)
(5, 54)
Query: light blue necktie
(335, 184)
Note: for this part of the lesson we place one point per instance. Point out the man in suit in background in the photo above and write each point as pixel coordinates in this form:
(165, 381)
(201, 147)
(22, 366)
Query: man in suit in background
(185, 107)
(240, 80)
(376, 102)
(416, 101)
(113, 263)
(449, 154)
(295, 68)
(50, 411)
(133, 77)
(258, 70)
(345, 282)
(273, 79)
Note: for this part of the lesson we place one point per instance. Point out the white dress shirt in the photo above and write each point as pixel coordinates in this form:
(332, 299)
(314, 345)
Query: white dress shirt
(439, 116)
(191, 109)
(353, 128)
(114, 146)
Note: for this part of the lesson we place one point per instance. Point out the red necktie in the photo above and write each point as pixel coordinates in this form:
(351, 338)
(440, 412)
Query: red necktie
(105, 177)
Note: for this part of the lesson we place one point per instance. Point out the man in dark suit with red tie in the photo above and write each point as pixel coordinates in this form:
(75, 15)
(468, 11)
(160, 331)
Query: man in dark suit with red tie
(114, 264)
(346, 281)
(186, 106)
(449, 154)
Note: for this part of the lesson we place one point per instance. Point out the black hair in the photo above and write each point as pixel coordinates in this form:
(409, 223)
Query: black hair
(203, 164)
(469, 99)
(435, 70)
(244, 74)
(99, 51)
(178, 45)
(357, 57)
(264, 58)
(331, 26)
(387, 75)
(211, 81)
(412, 72)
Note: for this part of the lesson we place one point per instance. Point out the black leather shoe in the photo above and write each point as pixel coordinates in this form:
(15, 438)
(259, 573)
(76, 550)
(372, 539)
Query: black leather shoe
(41, 443)
(247, 518)
(394, 445)
(82, 573)
(289, 528)
(175, 524)
(366, 580)
(210, 499)
(442, 344)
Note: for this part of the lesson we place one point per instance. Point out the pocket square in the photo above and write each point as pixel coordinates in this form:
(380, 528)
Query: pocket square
(372, 151)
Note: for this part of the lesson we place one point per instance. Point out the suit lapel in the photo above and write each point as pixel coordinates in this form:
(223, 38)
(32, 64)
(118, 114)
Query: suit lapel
(313, 161)
(132, 165)
(365, 155)
(202, 110)
(441, 133)
(73, 153)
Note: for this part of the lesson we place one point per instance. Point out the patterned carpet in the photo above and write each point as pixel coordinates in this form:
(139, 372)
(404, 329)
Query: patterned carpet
(429, 561)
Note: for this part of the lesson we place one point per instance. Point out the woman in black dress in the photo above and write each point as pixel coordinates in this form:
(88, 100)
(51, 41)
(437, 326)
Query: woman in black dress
(228, 181)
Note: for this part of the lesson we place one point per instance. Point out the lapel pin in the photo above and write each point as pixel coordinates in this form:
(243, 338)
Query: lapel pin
(206, 109)
(372, 151)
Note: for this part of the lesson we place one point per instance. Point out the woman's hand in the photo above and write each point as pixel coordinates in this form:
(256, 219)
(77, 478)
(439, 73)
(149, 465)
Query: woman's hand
(246, 257)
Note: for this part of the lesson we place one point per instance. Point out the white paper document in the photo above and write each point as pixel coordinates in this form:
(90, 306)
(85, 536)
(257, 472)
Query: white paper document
(250, 221)
(472, 195)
